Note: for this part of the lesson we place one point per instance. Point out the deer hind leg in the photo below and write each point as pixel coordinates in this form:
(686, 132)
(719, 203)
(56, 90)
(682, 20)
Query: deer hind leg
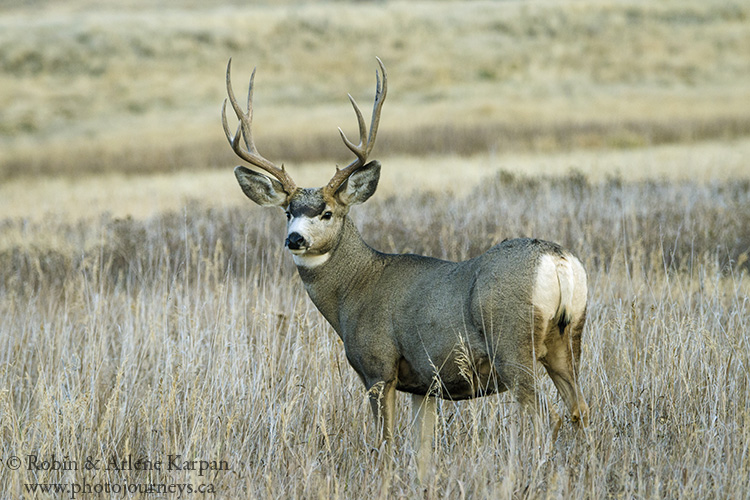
(518, 368)
(383, 403)
(516, 372)
(561, 360)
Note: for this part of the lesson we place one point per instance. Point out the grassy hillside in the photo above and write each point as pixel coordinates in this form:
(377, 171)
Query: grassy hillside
(109, 87)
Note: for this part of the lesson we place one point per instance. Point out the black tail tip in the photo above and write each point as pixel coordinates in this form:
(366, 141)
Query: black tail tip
(563, 322)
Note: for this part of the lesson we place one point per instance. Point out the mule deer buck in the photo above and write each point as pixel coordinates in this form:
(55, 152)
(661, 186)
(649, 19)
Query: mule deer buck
(417, 324)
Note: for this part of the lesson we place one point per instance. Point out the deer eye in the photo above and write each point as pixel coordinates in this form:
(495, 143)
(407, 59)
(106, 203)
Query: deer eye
(326, 215)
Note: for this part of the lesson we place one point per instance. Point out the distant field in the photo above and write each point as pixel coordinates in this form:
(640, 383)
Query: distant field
(65, 198)
(92, 86)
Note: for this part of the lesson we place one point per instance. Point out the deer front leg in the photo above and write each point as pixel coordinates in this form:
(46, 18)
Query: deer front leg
(383, 402)
(423, 416)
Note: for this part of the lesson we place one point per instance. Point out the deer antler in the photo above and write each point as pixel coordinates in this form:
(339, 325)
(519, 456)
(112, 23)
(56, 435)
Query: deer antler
(361, 150)
(250, 153)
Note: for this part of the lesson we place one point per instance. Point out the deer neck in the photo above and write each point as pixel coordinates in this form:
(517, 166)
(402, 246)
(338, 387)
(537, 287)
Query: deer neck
(341, 283)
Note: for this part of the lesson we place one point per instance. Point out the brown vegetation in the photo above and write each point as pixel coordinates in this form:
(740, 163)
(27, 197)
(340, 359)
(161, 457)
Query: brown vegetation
(190, 332)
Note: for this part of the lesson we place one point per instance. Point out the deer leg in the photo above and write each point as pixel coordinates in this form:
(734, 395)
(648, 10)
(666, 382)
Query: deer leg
(561, 362)
(517, 371)
(520, 380)
(383, 402)
(423, 416)
(523, 386)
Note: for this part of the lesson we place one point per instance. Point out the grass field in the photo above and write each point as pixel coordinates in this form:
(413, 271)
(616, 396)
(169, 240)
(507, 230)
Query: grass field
(189, 333)
(112, 88)
(148, 311)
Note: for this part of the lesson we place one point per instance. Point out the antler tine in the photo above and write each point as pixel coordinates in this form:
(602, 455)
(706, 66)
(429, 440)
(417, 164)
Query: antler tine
(357, 150)
(244, 129)
(366, 142)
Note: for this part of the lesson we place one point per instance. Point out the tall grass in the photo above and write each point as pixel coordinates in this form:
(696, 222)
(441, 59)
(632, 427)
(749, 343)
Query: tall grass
(190, 333)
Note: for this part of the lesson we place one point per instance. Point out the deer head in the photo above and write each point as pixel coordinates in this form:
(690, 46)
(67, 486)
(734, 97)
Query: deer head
(315, 216)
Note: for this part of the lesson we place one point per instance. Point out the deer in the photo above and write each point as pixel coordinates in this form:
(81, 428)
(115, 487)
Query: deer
(418, 324)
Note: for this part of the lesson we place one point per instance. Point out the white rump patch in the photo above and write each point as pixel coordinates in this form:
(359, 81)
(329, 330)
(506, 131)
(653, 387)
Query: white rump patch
(560, 287)
(310, 261)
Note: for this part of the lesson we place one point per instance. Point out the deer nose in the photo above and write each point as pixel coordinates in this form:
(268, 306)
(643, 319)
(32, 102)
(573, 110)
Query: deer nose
(295, 241)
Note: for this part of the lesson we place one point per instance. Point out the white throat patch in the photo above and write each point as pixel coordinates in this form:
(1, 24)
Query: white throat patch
(310, 261)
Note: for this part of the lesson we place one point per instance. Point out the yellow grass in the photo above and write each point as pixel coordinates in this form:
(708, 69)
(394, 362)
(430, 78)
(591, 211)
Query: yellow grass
(147, 195)
(190, 334)
(105, 88)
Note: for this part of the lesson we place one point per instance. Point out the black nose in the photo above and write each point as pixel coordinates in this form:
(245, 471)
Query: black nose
(295, 241)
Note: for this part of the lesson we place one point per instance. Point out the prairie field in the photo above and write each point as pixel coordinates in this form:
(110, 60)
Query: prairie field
(157, 342)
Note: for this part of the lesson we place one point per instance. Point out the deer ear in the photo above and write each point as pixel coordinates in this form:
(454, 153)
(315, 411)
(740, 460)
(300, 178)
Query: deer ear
(360, 185)
(263, 190)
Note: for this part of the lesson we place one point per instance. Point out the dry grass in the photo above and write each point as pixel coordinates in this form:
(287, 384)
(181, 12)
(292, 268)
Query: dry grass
(189, 333)
(63, 198)
(120, 89)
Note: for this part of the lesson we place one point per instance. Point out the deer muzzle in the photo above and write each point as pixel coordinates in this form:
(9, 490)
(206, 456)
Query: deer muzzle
(295, 241)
